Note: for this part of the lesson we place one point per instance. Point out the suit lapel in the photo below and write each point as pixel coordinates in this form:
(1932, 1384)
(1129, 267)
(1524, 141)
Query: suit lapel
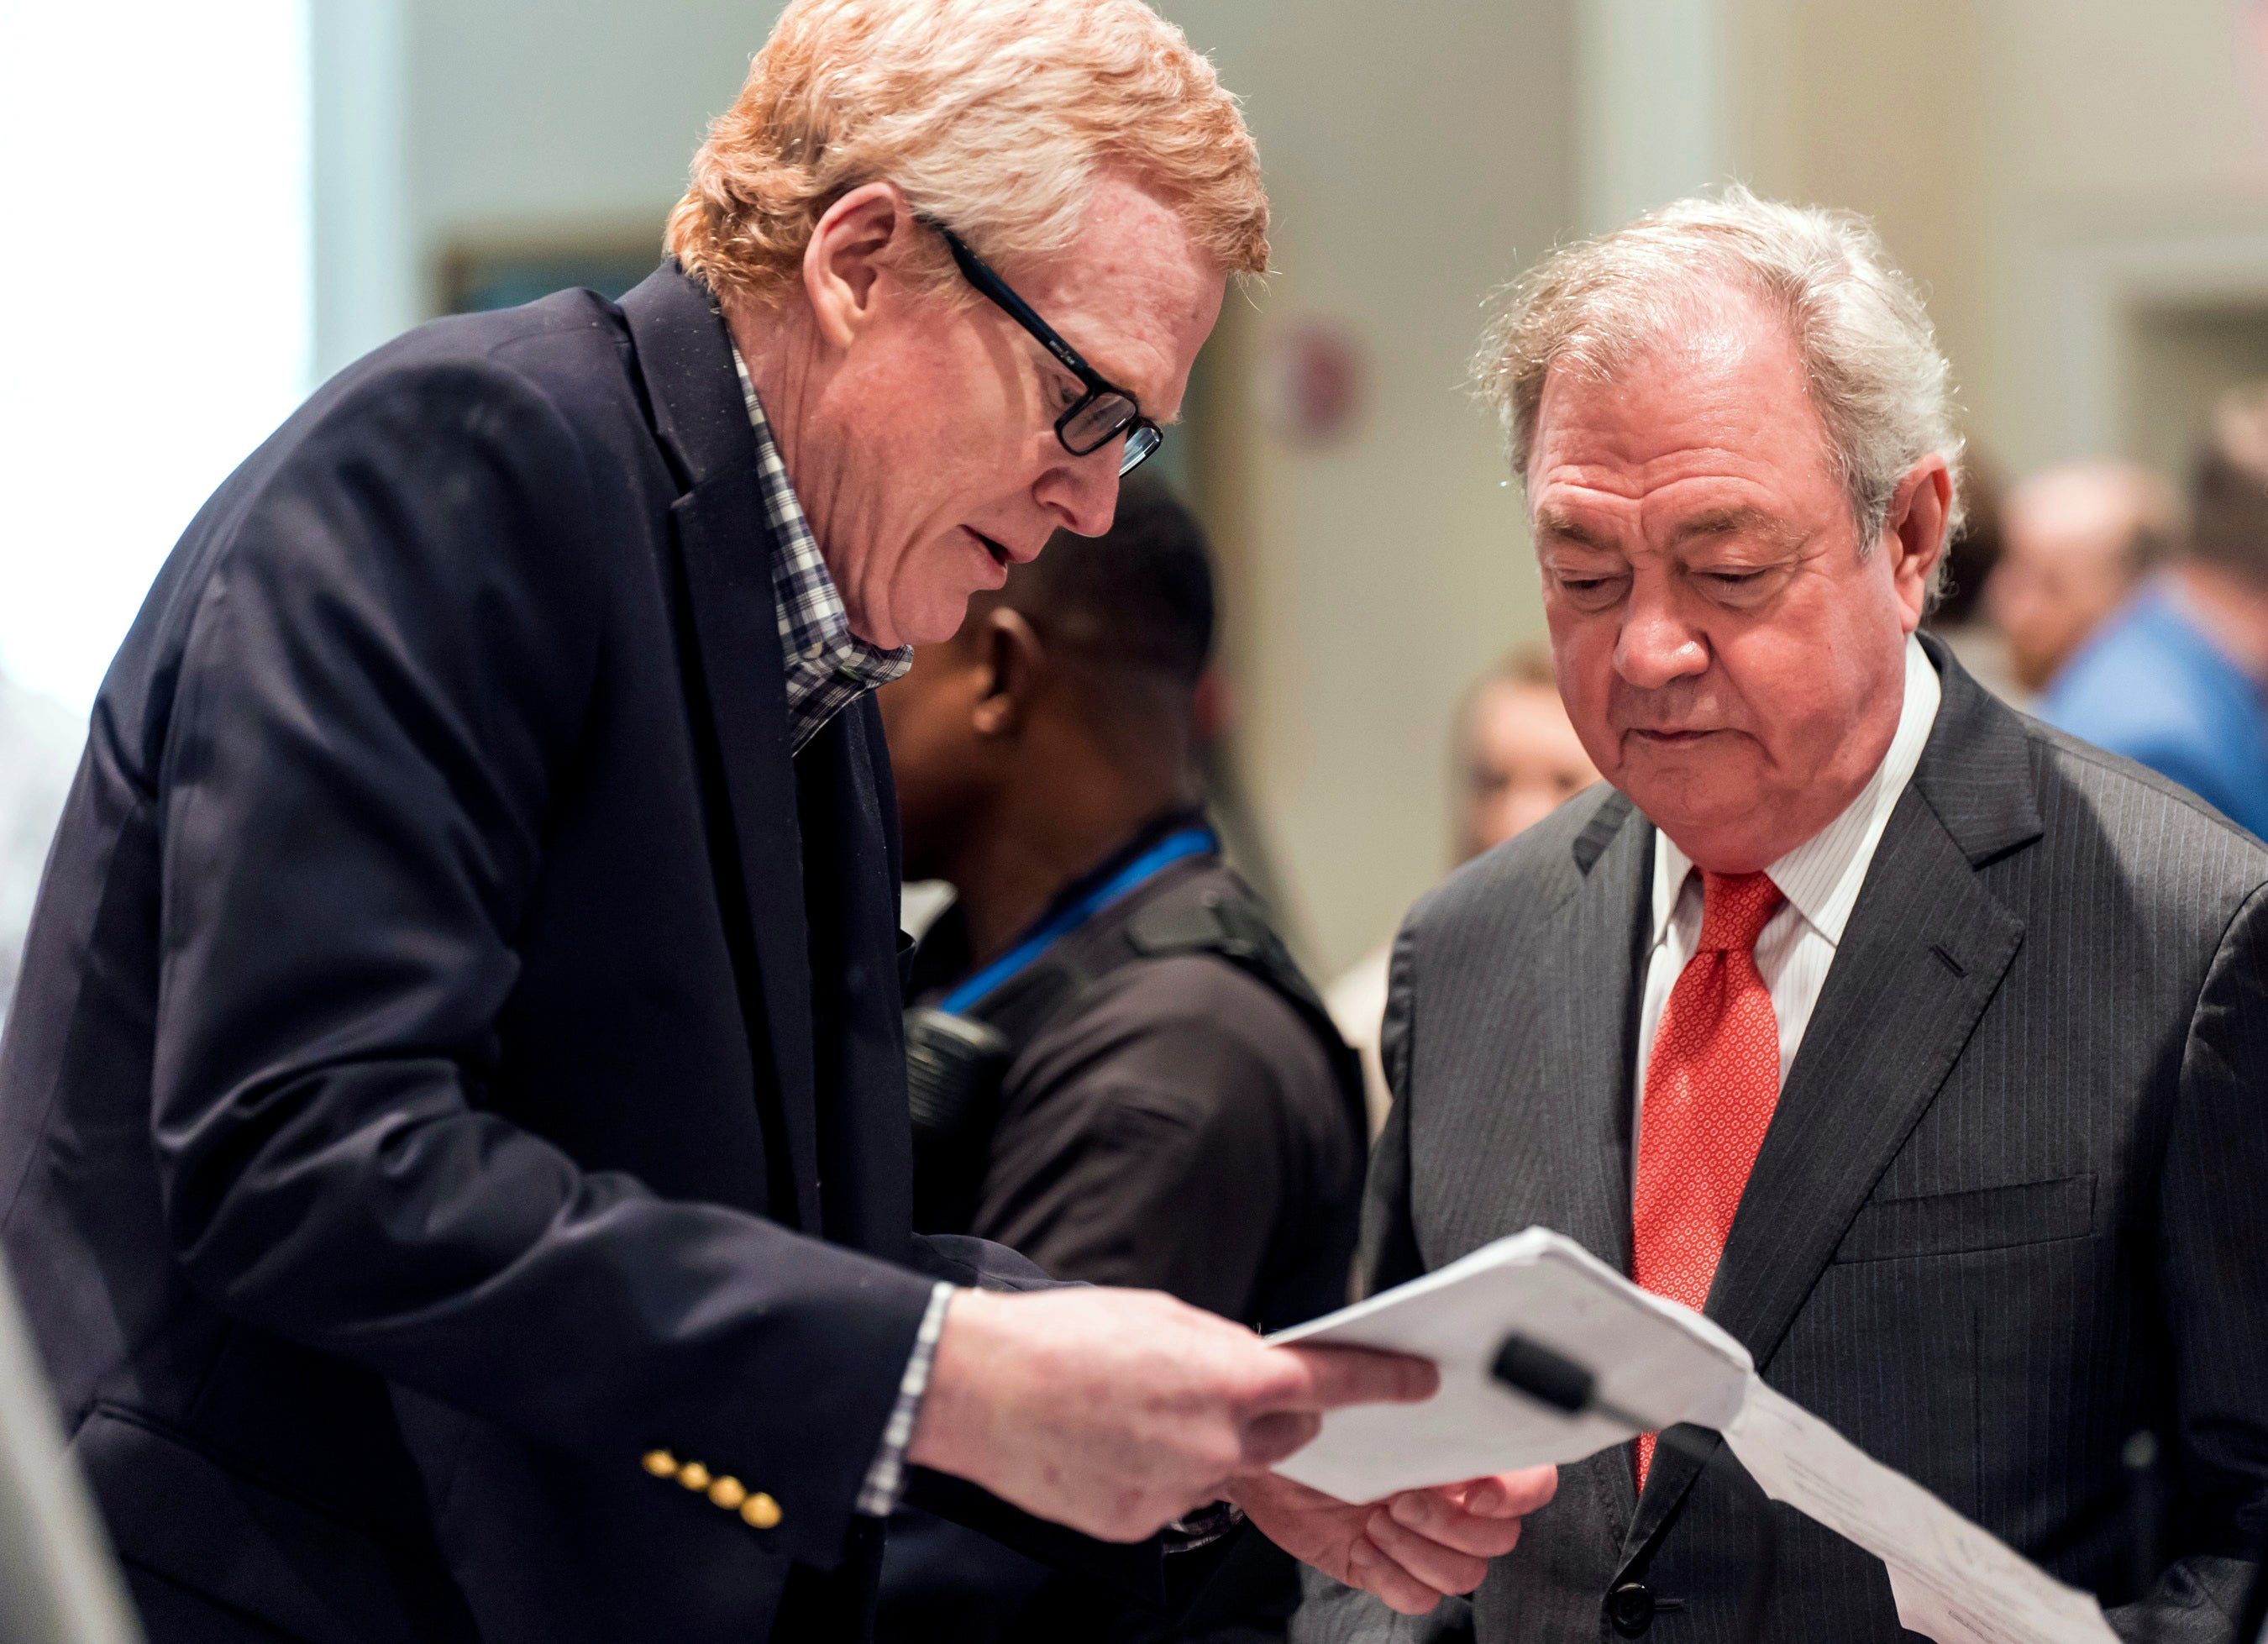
(1539, 1132)
(1526, 1118)
(1604, 939)
(725, 547)
(1607, 934)
(1924, 950)
(866, 1148)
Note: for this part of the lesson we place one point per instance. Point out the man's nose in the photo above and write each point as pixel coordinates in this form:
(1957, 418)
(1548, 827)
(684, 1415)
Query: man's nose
(1082, 492)
(1655, 646)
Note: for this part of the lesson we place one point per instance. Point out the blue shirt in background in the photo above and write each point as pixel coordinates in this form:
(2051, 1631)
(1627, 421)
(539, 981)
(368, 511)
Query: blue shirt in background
(2151, 686)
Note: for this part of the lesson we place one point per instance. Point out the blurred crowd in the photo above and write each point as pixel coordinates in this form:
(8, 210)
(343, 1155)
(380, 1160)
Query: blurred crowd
(2135, 616)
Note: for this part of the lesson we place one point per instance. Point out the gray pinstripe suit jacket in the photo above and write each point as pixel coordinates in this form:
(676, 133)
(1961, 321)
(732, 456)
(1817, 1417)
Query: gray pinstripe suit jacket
(2013, 1206)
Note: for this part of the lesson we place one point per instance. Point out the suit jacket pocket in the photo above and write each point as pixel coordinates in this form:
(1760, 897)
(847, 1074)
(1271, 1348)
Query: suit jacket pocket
(173, 1508)
(1987, 1219)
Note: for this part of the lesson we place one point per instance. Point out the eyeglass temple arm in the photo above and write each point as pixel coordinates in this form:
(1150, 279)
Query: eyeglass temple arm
(980, 276)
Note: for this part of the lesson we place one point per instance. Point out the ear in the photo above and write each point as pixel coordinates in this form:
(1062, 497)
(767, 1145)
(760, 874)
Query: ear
(1012, 659)
(1212, 705)
(1913, 532)
(848, 251)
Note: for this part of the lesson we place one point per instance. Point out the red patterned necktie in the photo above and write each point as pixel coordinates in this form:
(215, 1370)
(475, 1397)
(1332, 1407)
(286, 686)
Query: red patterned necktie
(1711, 1087)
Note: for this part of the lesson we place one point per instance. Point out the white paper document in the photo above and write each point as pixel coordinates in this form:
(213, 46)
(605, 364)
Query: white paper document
(1952, 1581)
(1652, 1357)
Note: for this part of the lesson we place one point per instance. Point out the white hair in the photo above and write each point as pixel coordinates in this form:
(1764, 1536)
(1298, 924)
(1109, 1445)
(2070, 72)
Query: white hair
(1872, 366)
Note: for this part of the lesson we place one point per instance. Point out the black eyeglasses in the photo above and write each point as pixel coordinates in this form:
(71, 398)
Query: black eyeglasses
(1097, 417)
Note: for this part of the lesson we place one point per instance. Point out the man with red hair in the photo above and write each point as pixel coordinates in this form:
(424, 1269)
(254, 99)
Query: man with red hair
(453, 1140)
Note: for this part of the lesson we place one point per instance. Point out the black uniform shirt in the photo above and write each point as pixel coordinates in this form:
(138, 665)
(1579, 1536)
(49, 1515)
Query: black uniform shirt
(1176, 1127)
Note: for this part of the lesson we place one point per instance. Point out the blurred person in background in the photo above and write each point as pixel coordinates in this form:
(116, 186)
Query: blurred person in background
(454, 1137)
(2080, 539)
(1514, 759)
(38, 747)
(2176, 677)
(1518, 758)
(1121, 1075)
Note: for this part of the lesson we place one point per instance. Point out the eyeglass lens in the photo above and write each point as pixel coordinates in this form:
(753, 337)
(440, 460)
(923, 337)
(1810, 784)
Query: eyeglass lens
(1139, 444)
(1097, 423)
(1101, 420)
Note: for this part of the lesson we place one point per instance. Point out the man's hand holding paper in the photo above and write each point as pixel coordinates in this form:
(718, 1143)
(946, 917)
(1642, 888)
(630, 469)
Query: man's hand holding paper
(1029, 1399)
(1412, 1548)
(1952, 1582)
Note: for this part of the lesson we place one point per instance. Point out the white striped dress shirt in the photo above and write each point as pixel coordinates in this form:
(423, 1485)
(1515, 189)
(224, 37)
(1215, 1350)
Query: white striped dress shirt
(1820, 878)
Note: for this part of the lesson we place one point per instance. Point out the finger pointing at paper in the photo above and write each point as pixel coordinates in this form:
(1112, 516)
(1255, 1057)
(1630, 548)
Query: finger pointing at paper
(1285, 1407)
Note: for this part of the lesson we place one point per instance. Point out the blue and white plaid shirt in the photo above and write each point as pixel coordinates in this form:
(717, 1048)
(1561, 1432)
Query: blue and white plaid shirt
(829, 667)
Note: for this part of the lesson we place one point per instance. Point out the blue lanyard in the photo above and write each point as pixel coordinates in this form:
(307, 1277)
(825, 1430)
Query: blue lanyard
(1189, 842)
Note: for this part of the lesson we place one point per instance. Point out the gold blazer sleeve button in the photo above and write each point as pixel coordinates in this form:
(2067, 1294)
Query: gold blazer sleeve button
(693, 1476)
(760, 1511)
(728, 1492)
(661, 1463)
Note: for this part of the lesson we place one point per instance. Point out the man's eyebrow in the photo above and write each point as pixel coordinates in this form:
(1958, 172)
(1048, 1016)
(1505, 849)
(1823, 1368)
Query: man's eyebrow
(1565, 527)
(1737, 521)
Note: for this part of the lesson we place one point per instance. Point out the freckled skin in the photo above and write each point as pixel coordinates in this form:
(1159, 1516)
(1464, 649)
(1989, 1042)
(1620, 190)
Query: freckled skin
(916, 426)
(1729, 657)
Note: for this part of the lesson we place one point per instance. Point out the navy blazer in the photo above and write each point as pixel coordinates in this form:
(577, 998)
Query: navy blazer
(457, 1051)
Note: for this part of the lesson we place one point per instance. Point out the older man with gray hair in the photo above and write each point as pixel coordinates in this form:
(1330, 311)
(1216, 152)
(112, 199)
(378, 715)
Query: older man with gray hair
(1920, 1046)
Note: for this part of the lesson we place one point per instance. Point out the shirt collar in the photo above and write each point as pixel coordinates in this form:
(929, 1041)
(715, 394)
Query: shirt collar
(1821, 878)
(828, 666)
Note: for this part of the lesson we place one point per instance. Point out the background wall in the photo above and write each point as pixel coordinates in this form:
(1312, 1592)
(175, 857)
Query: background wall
(152, 245)
(538, 117)
(2080, 185)
(1412, 170)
